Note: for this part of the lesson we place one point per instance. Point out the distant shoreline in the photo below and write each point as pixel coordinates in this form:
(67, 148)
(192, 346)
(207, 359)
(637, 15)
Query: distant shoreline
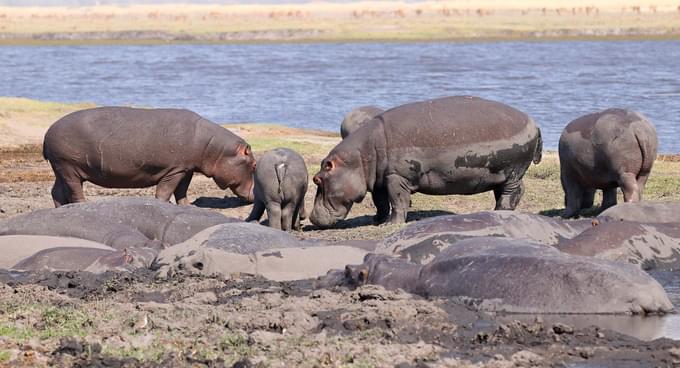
(365, 21)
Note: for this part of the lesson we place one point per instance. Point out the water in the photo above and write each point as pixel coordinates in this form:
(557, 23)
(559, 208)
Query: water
(314, 85)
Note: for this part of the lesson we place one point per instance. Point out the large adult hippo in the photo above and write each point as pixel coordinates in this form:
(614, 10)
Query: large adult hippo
(122, 147)
(605, 150)
(518, 277)
(451, 145)
(358, 117)
(420, 242)
(646, 212)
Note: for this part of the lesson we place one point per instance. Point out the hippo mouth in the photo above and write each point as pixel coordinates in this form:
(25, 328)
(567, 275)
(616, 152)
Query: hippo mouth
(324, 217)
(248, 195)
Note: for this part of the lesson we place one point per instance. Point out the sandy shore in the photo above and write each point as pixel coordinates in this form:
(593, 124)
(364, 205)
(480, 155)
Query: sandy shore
(353, 21)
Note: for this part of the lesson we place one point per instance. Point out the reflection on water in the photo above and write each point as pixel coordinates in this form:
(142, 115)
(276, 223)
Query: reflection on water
(641, 327)
(314, 85)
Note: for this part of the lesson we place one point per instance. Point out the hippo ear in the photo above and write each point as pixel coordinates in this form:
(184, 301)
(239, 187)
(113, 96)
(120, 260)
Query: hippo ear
(328, 165)
(363, 276)
(243, 149)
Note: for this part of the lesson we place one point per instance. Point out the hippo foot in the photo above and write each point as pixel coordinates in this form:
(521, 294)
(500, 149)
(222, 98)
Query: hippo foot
(379, 220)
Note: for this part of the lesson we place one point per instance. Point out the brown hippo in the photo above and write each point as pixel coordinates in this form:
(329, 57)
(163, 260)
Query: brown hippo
(516, 276)
(357, 117)
(605, 150)
(646, 212)
(451, 145)
(280, 186)
(122, 147)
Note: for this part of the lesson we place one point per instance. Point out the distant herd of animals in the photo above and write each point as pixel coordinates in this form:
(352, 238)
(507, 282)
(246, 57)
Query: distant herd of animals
(450, 145)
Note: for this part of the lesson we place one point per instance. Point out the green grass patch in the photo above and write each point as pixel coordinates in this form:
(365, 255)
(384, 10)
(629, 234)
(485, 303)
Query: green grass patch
(18, 105)
(5, 356)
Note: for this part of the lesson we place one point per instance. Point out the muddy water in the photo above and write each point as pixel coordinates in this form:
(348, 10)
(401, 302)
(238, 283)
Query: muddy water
(314, 85)
(644, 328)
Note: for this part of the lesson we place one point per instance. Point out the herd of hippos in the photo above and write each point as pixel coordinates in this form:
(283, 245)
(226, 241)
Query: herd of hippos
(498, 260)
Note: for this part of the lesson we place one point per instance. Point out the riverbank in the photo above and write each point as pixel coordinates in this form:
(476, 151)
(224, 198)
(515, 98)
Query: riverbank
(341, 22)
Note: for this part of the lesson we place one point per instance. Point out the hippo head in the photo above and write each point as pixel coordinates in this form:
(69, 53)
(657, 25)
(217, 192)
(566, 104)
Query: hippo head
(236, 172)
(340, 183)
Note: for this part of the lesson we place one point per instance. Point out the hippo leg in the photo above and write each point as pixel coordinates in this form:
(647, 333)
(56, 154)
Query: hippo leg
(182, 188)
(382, 205)
(573, 194)
(256, 212)
(608, 198)
(628, 184)
(399, 196)
(287, 216)
(508, 194)
(297, 216)
(274, 215)
(166, 187)
(60, 192)
(641, 182)
(588, 198)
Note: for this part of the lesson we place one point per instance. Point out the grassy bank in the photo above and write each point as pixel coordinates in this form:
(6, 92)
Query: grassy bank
(354, 21)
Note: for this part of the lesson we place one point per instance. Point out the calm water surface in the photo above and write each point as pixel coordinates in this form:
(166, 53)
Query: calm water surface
(314, 85)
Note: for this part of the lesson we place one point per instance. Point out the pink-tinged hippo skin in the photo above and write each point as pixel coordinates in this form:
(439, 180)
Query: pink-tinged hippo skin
(516, 276)
(358, 117)
(122, 147)
(649, 246)
(280, 187)
(605, 150)
(644, 212)
(451, 145)
(86, 259)
(420, 242)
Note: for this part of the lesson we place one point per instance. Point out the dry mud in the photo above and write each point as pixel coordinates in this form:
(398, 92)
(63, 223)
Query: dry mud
(119, 319)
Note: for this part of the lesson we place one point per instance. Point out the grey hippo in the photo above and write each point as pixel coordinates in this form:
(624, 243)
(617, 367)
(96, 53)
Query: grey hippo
(280, 186)
(518, 277)
(356, 118)
(645, 212)
(122, 147)
(450, 145)
(605, 150)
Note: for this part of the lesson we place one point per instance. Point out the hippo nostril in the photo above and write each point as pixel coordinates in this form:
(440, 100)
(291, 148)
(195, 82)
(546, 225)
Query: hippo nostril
(317, 180)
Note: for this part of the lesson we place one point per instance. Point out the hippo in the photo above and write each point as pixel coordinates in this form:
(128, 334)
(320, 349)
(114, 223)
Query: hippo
(450, 145)
(280, 187)
(357, 117)
(605, 150)
(15, 248)
(421, 241)
(646, 212)
(123, 147)
(516, 276)
(252, 249)
(648, 246)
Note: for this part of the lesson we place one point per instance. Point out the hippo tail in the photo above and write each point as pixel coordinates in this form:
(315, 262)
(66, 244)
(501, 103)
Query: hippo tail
(538, 151)
(280, 169)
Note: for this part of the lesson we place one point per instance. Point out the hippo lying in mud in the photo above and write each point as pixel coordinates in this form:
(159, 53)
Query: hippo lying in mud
(649, 246)
(280, 187)
(252, 249)
(119, 223)
(452, 145)
(605, 150)
(518, 277)
(644, 212)
(121, 147)
(421, 241)
(357, 117)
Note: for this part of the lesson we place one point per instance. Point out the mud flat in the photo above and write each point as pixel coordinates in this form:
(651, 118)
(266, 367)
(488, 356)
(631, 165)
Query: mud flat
(117, 319)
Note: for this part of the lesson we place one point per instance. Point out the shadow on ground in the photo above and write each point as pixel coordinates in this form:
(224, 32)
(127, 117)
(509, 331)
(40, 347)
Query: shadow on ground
(223, 203)
(367, 220)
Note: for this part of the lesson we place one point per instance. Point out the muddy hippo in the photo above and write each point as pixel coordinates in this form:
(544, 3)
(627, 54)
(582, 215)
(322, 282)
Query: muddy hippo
(451, 145)
(519, 277)
(421, 241)
(280, 187)
(648, 246)
(122, 147)
(646, 212)
(357, 117)
(605, 150)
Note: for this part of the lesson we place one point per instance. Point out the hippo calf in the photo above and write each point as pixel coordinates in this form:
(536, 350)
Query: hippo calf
(451, 145)
(605, 150)
(122, 147)
(280, 187)
(518, 277)
(357, 117)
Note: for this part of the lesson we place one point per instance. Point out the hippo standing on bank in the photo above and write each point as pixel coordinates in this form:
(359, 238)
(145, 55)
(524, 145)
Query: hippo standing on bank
(451, 145)
(280, 187)
(605, 150)
(122, 147)
(357, 117)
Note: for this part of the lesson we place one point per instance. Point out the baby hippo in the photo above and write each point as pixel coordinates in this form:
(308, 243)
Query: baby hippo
(280, 187)
(605, 150)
